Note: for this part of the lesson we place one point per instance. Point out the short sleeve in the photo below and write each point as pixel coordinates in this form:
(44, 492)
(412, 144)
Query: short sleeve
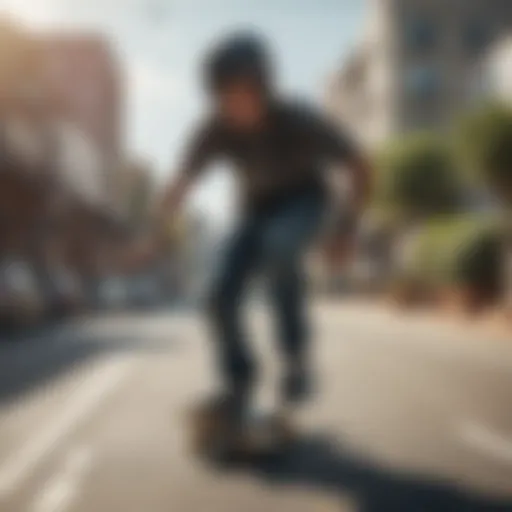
(332, 141)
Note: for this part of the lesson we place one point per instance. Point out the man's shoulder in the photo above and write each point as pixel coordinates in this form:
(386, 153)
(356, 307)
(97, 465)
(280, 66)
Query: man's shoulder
(299, 112)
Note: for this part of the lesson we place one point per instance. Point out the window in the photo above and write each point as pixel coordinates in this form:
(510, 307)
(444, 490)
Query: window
(476, 36)
(422, 82)
(421, 34)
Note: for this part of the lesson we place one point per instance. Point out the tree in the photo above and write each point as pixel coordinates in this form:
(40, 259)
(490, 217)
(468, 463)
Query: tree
(417, 177)
(485, 146)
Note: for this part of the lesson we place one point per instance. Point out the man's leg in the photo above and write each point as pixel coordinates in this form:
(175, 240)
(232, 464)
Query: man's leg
(288, 294)
(234, 357)
(286, 238)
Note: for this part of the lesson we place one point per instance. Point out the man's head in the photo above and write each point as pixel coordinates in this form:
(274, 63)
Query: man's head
(238, 76)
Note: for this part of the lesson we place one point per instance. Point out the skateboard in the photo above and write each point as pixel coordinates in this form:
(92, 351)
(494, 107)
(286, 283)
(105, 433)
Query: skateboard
(259, 434)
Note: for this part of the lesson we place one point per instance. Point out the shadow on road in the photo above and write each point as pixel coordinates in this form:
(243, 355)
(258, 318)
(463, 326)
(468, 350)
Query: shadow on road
(318, 463)
(28, 364)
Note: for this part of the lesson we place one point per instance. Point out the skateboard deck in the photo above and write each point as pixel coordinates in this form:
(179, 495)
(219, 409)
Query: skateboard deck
(260, 434)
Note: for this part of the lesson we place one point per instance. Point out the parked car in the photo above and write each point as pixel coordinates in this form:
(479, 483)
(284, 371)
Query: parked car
(113, 292)
(64, 293)
(21, 301)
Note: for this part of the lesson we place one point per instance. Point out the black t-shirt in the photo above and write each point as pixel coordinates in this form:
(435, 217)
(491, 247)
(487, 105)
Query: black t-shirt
(284, 158)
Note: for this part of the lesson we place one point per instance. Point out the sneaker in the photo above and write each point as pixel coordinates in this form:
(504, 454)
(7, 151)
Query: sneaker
(297, 385)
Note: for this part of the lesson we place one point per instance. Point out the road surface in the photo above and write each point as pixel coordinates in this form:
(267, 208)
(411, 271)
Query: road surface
(411, 415)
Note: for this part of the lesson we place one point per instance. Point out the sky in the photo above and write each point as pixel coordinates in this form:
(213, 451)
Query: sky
(160, 43)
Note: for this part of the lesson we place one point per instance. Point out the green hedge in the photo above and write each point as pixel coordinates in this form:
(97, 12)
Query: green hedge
(484, 144)
(458, 251)
(417, 177)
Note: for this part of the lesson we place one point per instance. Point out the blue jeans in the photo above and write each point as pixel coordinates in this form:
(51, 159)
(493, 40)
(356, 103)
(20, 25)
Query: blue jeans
(271, 245)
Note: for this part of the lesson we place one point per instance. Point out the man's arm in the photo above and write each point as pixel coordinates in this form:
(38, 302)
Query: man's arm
(201, 150)
(345, 155)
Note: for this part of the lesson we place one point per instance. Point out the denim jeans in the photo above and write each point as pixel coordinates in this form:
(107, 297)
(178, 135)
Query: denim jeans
(269, 245)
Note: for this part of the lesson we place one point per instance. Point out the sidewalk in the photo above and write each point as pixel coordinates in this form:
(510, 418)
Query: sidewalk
(490, 326)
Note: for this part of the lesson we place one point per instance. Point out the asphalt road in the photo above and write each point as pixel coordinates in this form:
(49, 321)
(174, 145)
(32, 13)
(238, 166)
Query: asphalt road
(410, 415)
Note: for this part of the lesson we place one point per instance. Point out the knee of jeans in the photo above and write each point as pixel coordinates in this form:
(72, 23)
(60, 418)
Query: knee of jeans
(280, 254)
(241, 370)
(282, 269)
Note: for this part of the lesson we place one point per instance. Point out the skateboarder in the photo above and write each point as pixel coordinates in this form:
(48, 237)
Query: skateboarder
(280, 150)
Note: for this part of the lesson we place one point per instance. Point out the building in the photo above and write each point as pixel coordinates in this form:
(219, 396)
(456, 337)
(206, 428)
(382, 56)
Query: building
(60, 106)
(84, 79)
(19, 66)
(79, 164)
(411, 67)
(23, 139)
(60, 141)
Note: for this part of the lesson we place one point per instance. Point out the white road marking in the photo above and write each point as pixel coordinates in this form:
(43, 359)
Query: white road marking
(59, 492)
(56, 497)
(486, 441)
(89, 396)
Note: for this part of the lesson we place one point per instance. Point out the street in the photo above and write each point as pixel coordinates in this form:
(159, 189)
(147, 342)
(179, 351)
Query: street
(411, 414)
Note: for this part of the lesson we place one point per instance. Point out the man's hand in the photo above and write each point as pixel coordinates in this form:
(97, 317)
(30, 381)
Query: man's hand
(340, 244)
(340, 240)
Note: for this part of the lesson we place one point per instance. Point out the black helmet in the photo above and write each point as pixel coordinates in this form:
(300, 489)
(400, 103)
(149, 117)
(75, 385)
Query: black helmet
(240, 56)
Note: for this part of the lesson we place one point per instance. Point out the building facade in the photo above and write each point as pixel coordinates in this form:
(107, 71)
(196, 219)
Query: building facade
(84, 79)
(60, 141)
(411, 68)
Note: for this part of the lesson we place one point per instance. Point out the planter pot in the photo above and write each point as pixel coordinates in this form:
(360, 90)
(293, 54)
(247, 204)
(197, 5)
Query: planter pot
(411, 295)
(465, 300)
(404, 296)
